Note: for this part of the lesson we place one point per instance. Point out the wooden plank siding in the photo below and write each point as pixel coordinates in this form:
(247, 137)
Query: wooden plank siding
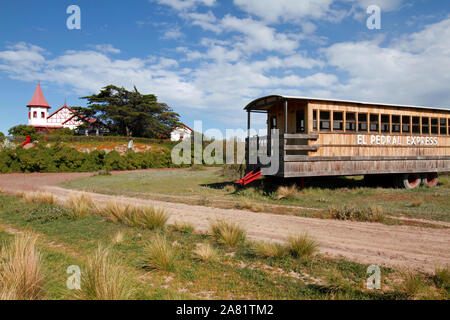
(342, 152)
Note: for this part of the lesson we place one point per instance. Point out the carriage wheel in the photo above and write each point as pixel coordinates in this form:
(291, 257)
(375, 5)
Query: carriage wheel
(430, 179)
(409, 180)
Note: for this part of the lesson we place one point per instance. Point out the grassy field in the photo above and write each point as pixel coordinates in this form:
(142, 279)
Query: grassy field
(321, 197)
(175, 262)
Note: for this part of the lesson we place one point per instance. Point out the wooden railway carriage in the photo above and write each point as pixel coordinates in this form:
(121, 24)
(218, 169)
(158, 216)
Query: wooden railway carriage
(320, 137)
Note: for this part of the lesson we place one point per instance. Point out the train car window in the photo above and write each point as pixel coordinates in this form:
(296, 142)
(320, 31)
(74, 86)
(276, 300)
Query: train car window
(425, 125)
(385, 123)
(416, 125)
(443, 126)
(374, 122)
(338, 121)
(350, 121)
(406, 124)
(314, 120)
(325, 121)
(396, 125)
(434, 126)
(362, 122)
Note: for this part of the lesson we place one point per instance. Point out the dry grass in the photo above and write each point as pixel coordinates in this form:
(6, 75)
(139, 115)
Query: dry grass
(103, 279)
(368, 214)
(247, 204)
(183, 227)
(269, 250)
(206, 253)
(21, 275)
(412, 285)
(159, 254)
(136, 216)
(118, 237)
(290, 192)
(228, 234)
(442, 278)
(302, 246)
(39, 197)
(81, 205)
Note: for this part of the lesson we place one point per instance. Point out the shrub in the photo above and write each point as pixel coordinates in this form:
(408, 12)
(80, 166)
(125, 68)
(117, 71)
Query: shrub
(228, 234)
(159, 254)
(103, 279)
(287, 192)
(81, 205)
(21, 275)
(39, 197)
(269, 250)
(302, 246)
(23, 131)
(206, 253)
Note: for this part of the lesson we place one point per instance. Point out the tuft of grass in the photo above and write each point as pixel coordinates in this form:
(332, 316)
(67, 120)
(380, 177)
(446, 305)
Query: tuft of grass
(417, 204)
(367, 214)
(183, 227)
(442, 278)
(287, 192)
(247, 204)
(159, 254)
(206, 253)
(302, 246)
(137, 216)
(269, 250)
(39, 197)
(81, 205)
(103, 279)
(21, 275)
(412, 284)
(229, 234)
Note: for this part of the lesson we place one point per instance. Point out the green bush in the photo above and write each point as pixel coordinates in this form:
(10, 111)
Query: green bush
(61, 158)
(23, 131)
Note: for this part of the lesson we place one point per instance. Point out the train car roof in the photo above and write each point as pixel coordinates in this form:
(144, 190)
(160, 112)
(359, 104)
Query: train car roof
(266, 102)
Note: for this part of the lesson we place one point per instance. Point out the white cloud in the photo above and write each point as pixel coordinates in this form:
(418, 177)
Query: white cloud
(182, 5)
(287, 10)
(106, 48)
(412, 70)
(173, 34)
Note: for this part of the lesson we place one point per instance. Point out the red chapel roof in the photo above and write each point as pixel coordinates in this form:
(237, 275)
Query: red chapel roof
(38, 99)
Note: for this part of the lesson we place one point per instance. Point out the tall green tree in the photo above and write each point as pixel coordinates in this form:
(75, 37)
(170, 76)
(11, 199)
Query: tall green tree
(130, 113)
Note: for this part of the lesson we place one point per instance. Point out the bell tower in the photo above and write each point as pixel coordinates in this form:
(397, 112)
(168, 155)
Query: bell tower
(38, 108)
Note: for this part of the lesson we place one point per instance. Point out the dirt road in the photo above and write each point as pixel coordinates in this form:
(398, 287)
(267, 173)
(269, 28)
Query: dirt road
(370, 243)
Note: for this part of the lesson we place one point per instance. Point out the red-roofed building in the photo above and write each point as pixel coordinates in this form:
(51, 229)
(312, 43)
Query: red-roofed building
(38, 114)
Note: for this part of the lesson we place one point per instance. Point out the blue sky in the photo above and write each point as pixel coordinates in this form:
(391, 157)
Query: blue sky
(208, 58)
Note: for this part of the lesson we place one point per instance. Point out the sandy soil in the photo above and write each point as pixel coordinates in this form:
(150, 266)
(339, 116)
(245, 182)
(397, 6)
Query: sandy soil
(403, 247)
